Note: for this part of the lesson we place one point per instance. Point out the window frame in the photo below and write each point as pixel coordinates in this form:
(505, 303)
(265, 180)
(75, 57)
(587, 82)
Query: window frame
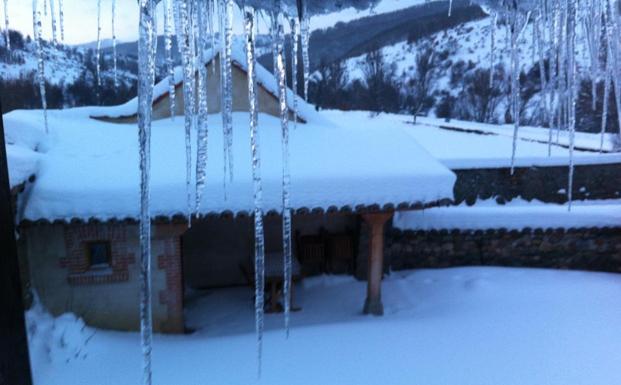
(89, 254)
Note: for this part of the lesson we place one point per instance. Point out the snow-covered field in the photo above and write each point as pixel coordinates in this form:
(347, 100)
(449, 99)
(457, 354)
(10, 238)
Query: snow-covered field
(462, 326)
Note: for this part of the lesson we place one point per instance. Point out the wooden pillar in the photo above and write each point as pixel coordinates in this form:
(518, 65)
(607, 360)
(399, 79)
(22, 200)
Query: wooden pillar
(373, 304)
(14, 360)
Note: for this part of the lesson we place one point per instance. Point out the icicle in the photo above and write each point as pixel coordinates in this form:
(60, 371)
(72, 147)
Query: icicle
(227, 82)
(571, 77)
(146, 78)
(607, 80)
(114, 58)
(202, 129)
(186, 48)
(305, 31)
(61, 19)
(295, 38)
(515, 85)
(259, 242)
(53, 13)
(6, 25)
(38, 39)
(542, 75)
(170, 65)
(494, 24)
(450, 8)
(286, 180)
(613, 33)
(98, 53)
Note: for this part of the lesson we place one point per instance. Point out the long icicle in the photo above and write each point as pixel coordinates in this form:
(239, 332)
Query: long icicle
(168, 45)
(295, 47)
(607, 81)
(305, 31)
(515, 85)
(6, 25)
(146, 78)
(53, 13)
(38, 39)
(286, 179)
(114, 55)
(202, 128)
(61, 20)
(185, 43)
(259, 241)
(98, 49)
(493, 26)
(228, 94)
(571, 78)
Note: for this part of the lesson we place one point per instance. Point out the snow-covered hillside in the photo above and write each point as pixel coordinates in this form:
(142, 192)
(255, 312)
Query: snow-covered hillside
(470, 42)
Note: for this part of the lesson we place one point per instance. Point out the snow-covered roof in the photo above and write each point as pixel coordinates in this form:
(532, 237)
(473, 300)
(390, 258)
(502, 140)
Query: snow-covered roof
(89, 168)
(265, 79)
(462, 145)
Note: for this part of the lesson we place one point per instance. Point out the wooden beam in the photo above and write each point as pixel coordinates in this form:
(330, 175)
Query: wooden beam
(14, 360)
(373, 303)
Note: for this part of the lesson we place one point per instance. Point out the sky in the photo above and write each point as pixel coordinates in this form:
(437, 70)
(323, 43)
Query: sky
(81, 18)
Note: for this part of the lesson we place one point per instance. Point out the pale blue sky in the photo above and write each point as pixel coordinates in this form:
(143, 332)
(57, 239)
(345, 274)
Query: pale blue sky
(81, 18)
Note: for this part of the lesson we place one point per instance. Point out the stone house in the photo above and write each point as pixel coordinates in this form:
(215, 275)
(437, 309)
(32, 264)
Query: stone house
(78, 228)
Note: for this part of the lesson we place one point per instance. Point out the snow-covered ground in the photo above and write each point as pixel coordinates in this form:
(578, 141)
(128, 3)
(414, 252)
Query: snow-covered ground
(461, 326)
(514, 215)
(462, 150)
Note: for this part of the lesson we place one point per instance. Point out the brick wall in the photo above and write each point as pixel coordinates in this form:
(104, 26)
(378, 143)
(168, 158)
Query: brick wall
(76, 260)
(107, 296)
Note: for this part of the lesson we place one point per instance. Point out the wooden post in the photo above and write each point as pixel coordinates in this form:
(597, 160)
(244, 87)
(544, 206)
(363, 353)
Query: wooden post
(14, 359)
(373, 304)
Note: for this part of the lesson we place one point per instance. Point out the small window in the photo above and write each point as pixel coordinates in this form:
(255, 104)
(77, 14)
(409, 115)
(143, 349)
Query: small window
(98, 254)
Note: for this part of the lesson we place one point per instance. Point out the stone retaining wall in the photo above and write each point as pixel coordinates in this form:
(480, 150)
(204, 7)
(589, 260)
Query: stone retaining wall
(593, 249)
(547, 184)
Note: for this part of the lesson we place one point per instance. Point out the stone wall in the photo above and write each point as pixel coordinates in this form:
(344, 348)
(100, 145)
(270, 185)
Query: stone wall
(547, 184)
(593, 249)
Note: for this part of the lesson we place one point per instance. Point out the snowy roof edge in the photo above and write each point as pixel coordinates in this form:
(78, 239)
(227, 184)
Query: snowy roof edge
(229, 214)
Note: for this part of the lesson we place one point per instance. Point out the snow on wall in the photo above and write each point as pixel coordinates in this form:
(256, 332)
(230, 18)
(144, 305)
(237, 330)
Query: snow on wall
(515, 215)
(90, 169)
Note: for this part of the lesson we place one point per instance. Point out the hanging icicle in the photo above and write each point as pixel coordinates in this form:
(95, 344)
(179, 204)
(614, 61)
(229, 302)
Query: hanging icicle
(61, 20)
(228, 92)
(450, 11)
(572, 88)
(114, 55)
(7, 37)
(53, 13)
(281, 73)
(186, 47)
(202, 129)
(295, 39)
(607, 81)
(98, 49)
(38, 40)
(146, 78)
(168, 45)
(259, 241)
(493, 26)
(305, 32)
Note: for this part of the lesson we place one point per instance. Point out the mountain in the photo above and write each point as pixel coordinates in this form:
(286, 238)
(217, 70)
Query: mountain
(70, 75)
